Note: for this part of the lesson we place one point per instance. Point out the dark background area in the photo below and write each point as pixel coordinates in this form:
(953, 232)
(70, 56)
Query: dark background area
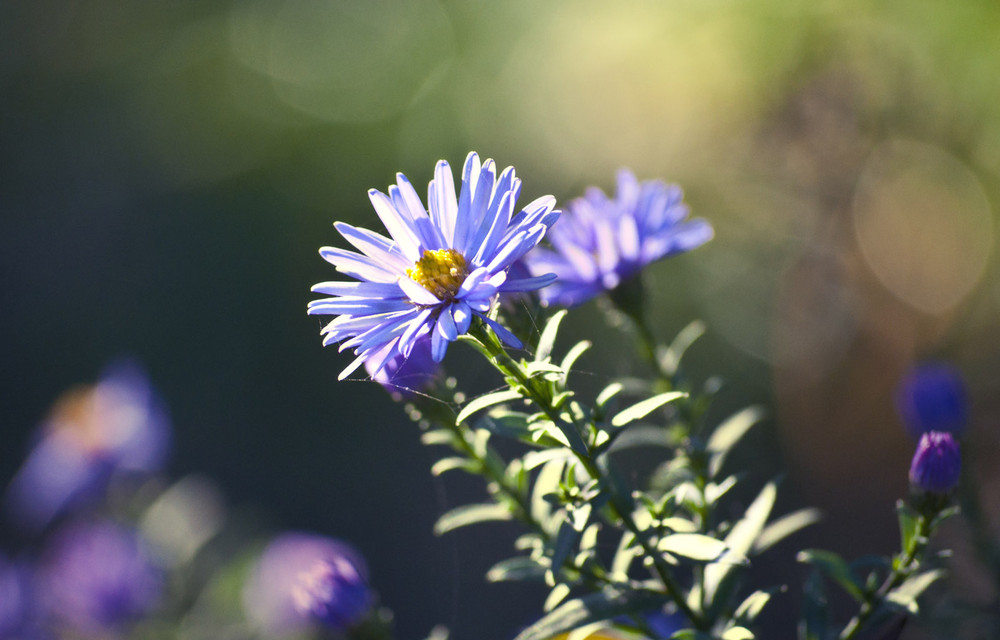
(169, 170)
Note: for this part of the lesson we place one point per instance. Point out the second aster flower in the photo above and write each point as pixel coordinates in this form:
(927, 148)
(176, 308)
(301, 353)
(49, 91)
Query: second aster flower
(440, 267)
(600, 242)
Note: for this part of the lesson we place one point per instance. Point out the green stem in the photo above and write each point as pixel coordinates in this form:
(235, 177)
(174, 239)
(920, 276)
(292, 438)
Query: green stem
(495, 478)
(620, 506)
(902, 569)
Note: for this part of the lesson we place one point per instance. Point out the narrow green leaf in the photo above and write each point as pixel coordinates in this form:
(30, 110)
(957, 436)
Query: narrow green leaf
(564, 545)
(815, 614)
(544, 370)
(784, 527)
(517, 568)
(437, 437)
(909, 521)
(545, 484)
(548, 338)
(642, 409)
(608, 393)
(556, 596)
(670, 359)
(603, 605)
(742, 536)
(534, 459)
(470, 514)
(750, 608)
(728, 433)
(626, 553)
(738, 633)
(693, 546)
(484, 402)
(506, 424)
(834, 567)
(447, 464)
(572, 355)
(907, 593)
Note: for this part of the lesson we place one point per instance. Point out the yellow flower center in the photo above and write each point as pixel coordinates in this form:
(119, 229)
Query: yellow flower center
(441, 272)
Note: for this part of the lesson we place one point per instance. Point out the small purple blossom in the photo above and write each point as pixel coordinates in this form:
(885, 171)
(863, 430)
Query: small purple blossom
(281, 582)
(932, 397)
(600, 242)
(333, 592)
(440, 268)
(96, 577)
(119, 425)
(936, 464)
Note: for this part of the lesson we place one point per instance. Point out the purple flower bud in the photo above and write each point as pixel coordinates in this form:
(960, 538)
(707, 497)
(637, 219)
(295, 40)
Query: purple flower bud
(405, 376)
(289, 570)
(96, 577)
(936, 464)
(333, 592)
(117, 426)
(932, 397)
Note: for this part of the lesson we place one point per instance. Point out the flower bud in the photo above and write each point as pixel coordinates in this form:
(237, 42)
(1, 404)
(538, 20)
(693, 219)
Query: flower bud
(932, 397)
(936, 464)
(333, 592)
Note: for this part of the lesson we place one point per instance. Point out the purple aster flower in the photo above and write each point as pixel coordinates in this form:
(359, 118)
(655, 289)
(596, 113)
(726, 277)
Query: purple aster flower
(932, 397)
(118, 425)
(282, 595)
(440, 267)
(936, 464)
(601, 242)
(96, 577)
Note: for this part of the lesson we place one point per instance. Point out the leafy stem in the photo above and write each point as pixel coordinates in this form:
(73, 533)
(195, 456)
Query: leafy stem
(902, 568)
(533, 390)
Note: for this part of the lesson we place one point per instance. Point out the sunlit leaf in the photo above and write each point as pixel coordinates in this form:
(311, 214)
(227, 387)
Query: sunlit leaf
(470, 514)
(642, 409)
(516, 568)
(693, 546)
(726, 435)
(548, 338)
(784, 527)
(484, 402)
(603, 605)
(448, 464)
(738, 633)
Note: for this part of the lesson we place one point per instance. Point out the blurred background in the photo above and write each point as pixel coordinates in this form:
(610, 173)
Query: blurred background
(169, 170)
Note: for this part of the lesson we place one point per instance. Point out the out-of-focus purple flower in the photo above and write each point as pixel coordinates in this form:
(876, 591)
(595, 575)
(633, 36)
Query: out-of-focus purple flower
(285, 570)
(14, 599)
(117, 425)
(442, 267)
(600, 242)
(333, 592)
(405, 376)
(96, 577)
(932, 397)
(936, 464)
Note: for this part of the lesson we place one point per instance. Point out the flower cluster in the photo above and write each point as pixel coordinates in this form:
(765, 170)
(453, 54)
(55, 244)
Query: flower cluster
(678, 568)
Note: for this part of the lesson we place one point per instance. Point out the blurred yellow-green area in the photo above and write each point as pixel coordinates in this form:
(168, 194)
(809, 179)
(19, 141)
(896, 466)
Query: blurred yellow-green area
(168, 171)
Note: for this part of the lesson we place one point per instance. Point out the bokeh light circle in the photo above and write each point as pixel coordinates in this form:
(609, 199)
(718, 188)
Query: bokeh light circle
(923, 224)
